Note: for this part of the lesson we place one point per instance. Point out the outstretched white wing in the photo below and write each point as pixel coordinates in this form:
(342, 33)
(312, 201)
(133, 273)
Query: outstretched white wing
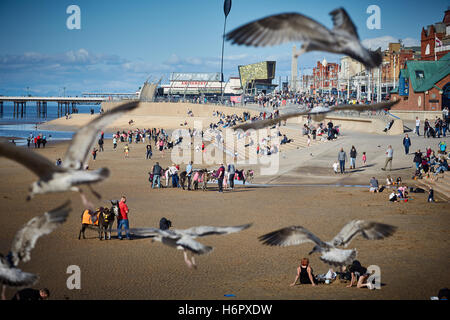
(33, 161)
(202, 231)
(290, 236)
(25, 239)
(369, 230)
(356, 107)
(83, 140)
(280, 28)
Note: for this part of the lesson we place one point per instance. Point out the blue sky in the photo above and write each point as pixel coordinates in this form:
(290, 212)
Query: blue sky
(122, 43)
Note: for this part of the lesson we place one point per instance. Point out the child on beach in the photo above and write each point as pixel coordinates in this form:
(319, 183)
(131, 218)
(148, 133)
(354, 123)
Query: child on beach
(126, 149)
(389, 181)
(431, 195)
(364, 158)
(335, 167)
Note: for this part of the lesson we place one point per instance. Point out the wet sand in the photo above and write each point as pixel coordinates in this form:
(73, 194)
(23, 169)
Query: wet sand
(414, 262)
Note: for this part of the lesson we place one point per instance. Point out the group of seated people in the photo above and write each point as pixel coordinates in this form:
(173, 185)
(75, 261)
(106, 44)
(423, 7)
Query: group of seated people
(354, 274)
(430, 162)
(399, 189)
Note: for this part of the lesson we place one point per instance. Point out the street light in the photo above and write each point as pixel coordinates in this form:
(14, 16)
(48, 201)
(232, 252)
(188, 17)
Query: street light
(226, 11)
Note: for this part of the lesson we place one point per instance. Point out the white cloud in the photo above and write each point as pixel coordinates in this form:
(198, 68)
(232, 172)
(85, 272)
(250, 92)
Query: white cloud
(383, 42)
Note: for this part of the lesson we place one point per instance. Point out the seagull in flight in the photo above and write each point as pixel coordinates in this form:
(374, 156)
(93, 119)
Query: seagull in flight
(184, 239)
(293, 27)
(317, 113)
(71, 174)
(330, 254)
(24, 241)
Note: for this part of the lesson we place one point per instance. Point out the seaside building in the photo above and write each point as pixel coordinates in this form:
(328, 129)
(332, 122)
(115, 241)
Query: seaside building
(435, 39)
(424, 85)
(257, 77)
(325, 76)
(199, 84)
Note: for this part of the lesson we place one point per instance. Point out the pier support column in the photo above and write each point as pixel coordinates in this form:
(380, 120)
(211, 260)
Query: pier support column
(1, 107)
(44, 108)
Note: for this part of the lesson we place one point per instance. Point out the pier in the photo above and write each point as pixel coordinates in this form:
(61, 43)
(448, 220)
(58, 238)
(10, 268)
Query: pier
(65, 104)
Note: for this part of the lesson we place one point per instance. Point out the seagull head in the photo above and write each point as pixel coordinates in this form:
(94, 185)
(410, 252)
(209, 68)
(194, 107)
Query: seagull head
(315, 249)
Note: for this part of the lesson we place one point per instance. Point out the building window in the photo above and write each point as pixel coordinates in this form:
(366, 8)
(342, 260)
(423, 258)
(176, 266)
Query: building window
(420, 74)
(427, 49)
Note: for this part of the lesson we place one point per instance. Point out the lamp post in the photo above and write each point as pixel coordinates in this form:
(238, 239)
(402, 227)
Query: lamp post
(226, 11)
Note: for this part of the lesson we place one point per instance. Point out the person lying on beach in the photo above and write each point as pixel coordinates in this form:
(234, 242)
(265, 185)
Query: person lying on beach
(304, 274)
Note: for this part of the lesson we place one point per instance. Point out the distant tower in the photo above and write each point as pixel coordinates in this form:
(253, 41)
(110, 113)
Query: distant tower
(294, 70)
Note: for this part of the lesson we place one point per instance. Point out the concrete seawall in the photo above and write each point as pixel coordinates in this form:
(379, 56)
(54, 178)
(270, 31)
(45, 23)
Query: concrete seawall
(174, 115)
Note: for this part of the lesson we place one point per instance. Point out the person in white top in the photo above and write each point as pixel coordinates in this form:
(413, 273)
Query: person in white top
(417, 126)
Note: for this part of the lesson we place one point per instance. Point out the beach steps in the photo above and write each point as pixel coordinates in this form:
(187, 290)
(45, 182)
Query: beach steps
(439, 183)
(238, 145)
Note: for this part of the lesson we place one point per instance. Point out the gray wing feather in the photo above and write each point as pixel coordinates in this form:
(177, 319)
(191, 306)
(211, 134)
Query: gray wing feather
(33, 161)
(369, 230)
(290, 236)
(202, 231)
(14, 277)
(78, 152)
(280, 28)
(25, 239)
(149, 232)
(356, 107)
(342, 21)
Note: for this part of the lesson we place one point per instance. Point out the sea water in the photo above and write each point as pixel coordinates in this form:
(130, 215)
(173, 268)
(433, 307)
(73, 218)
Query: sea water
(21, 127)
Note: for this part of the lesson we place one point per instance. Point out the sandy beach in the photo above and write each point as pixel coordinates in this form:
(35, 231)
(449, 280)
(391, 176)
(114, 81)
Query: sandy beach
(413, 262)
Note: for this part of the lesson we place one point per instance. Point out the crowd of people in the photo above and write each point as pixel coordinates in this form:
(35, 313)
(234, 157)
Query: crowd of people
(40, 139)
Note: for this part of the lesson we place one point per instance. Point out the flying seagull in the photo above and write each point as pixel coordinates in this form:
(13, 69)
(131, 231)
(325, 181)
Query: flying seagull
(184, 239)
(293, 27)
(24, 241)
(329, 252)
(317, 113)
(71, 174)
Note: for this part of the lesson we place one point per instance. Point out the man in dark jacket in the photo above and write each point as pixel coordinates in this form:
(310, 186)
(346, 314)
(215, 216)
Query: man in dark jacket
(406, 143)
(157, 170)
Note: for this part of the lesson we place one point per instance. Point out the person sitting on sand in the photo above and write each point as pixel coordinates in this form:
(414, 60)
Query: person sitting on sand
(393, 197)
(374, 187)
(304, 273)
(389, 181)
(359, 276)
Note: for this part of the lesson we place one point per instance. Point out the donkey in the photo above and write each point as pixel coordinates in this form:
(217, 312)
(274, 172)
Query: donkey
(106, 219)
(101, 220)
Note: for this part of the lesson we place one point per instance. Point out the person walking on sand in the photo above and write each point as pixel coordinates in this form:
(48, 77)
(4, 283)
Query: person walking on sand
(126, 149)
(94, 153)
(189, 175)
(417, 126)
(342, 157)
(389, 156)
(231, 173)
(114, 143)
(353, 154)
(149, 152)
(406, 143)
(220, 176)
(157, 170)
(122, 219)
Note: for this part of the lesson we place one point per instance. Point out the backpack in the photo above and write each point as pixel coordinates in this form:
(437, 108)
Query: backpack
(165, 224)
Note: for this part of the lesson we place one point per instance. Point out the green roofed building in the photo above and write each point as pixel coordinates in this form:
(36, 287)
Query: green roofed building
(424, 85)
